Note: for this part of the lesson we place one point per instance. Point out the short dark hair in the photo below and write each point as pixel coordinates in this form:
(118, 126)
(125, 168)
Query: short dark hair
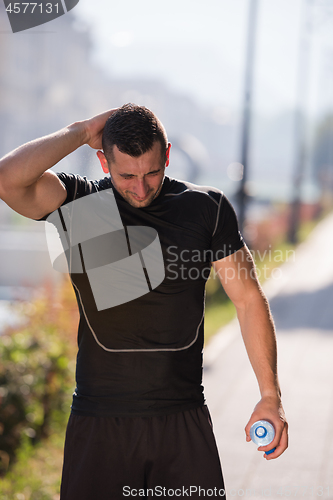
(133, 129)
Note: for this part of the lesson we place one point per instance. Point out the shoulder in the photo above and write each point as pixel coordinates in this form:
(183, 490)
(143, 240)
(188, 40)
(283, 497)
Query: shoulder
(205, 205)
(78, 186)
(185, 190)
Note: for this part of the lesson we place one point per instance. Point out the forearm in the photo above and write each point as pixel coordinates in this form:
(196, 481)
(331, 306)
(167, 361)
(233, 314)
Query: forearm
(259, 338)
(24, 166)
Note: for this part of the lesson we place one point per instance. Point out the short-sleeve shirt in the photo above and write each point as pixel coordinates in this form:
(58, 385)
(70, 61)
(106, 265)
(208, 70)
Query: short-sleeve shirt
(144, 357)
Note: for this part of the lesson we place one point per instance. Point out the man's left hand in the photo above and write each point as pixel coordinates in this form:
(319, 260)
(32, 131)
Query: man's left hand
(270, 408)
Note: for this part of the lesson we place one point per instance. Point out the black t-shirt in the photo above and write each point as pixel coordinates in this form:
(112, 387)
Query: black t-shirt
(144, 357)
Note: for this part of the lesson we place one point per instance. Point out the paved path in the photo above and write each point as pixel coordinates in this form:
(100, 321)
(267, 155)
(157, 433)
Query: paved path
(302, 305)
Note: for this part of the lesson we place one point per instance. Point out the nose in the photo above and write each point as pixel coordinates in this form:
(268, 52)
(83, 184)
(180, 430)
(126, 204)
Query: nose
(141, 188)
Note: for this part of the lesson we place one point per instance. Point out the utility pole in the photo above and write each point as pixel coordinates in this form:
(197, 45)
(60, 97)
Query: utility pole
(300, 118)
(241, 194)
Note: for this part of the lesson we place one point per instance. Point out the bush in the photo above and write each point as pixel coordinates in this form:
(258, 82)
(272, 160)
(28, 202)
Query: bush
(37, 371)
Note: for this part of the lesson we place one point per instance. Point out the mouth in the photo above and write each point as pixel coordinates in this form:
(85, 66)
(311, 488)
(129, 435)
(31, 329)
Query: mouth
(140, 199)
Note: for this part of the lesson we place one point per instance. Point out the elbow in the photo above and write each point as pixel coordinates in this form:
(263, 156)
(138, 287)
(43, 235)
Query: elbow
(254, 298)
(5, 188)
(4, 185)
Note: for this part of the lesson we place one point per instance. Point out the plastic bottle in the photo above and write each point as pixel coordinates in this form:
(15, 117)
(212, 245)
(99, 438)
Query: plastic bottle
(262, 433)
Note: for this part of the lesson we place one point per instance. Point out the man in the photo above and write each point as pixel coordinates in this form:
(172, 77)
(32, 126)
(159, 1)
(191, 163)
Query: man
(139, 423)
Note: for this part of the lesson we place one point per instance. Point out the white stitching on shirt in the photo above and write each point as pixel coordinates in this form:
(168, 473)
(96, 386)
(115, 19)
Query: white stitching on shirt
(192, 191)
(218, 214)
(135, 350)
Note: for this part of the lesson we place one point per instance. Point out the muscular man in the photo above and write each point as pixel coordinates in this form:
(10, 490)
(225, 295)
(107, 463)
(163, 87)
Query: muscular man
(139, 422)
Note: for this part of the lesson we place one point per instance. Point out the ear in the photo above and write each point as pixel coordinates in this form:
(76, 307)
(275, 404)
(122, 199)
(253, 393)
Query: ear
(167, 154)
(104, 162)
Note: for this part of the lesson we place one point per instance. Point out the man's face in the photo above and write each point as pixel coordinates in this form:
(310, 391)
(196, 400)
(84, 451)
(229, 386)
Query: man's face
(138, 180)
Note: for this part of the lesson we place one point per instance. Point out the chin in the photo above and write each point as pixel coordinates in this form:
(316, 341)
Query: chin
(140, 204)
(137, 203)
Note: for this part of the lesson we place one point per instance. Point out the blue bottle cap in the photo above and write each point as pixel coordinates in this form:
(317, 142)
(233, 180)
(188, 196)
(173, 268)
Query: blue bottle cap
(261, 431)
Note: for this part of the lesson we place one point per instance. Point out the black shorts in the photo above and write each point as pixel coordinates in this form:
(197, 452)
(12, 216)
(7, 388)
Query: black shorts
(113, 458)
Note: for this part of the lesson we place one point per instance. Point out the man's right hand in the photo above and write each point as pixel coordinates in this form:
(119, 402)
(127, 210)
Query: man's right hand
(26, 183)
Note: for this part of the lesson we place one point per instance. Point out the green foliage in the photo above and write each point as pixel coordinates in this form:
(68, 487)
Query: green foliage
(36, 373)
(37, 471)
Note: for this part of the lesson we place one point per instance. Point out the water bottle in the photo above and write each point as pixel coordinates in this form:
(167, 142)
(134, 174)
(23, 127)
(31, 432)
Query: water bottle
(262, 433)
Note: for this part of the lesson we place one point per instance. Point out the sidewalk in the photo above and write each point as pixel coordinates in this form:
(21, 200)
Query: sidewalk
(302, 306)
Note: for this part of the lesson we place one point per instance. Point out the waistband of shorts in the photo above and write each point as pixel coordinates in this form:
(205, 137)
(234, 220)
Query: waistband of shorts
(135, 412)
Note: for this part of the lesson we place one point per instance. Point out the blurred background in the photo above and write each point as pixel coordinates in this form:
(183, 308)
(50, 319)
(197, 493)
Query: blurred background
(245, 91)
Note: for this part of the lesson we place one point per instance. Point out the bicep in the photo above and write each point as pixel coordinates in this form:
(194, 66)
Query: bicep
(39, 199)
(238, 276)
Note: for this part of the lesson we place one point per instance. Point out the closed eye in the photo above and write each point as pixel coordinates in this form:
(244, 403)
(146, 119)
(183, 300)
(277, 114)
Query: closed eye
(130, 176)
(153, 173)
